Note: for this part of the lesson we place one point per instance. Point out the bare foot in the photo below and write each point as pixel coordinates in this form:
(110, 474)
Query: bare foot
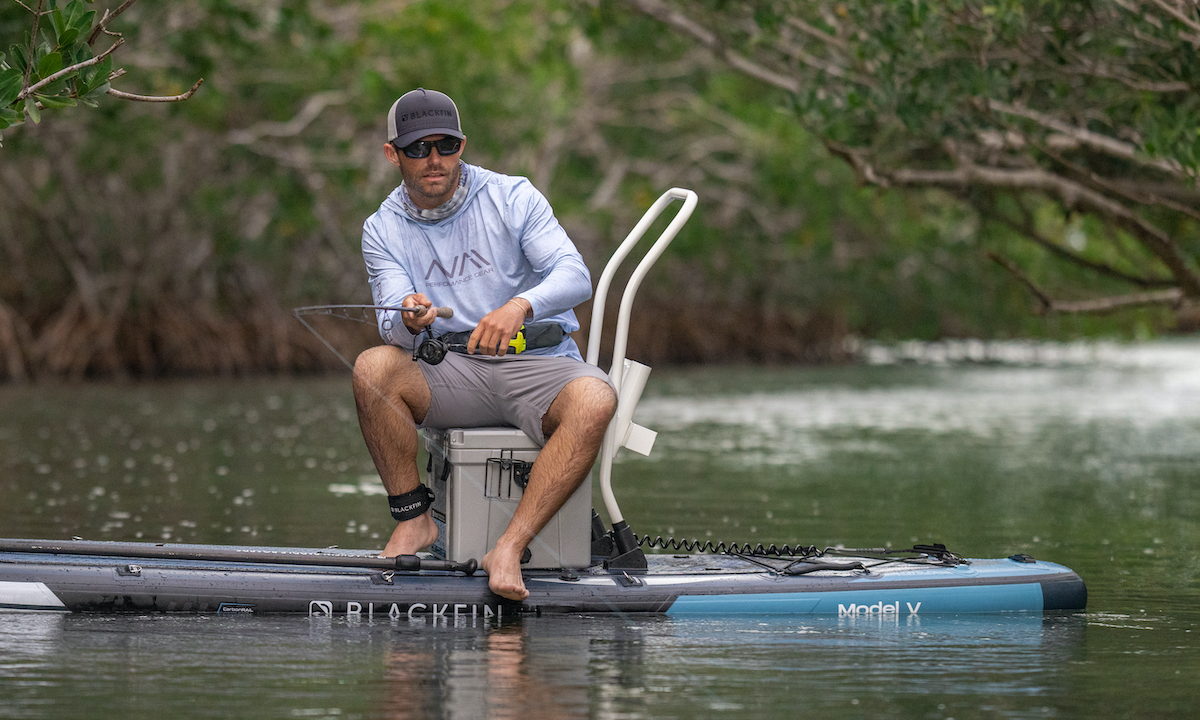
(411, 535)
(504, 573)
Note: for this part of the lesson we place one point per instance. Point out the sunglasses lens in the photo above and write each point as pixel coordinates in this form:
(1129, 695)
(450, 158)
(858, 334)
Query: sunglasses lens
(418, 149)
(422, 148)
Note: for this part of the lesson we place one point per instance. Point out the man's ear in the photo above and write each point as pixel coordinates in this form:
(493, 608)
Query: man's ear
(389, 151)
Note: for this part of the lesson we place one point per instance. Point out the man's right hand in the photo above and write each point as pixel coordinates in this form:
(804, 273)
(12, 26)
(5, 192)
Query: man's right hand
(417, 321)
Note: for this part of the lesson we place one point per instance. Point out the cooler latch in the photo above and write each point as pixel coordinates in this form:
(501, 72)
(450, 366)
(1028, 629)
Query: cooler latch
(506, 472)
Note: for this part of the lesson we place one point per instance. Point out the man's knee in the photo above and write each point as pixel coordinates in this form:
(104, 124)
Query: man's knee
(373, 364)
(590, 401)
(385, 371)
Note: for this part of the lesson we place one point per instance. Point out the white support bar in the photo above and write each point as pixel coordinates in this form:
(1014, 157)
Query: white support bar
(600, 299)
(622, 431)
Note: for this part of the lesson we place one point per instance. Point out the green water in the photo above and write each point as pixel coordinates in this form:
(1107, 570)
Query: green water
(1085, 456)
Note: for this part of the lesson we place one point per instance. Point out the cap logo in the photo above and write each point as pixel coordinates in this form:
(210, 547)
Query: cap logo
(425, 113)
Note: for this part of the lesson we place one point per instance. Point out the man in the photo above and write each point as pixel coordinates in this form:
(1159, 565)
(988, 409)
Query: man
(489, 247)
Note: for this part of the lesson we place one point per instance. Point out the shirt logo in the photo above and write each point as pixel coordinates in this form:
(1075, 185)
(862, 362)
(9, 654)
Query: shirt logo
(459, 267)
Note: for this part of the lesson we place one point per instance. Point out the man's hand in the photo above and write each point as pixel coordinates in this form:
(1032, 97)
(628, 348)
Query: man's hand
(417, 321)
(499, 326)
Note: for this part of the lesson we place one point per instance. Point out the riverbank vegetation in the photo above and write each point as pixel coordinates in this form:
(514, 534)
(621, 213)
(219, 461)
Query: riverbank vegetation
(145, 239)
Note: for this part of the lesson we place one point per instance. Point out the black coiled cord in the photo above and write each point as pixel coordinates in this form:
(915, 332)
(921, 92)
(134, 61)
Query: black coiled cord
(722, 548)
(934, 553)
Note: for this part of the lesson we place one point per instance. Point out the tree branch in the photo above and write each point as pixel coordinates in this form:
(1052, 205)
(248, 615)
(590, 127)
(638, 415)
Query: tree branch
(102, 26)
(1044, 301)
(1027, 229)
(827, 66)
(1102, 184)
(1170, 297)
(1135, 8)
(1071, 194)
(863, 170)
(1094, 140)
(818, 33)
(156, 98)
(664, 13)
(37, 17)
(1089, 68)
(1047, 305)
(69, 70)
(309, 112)
(1178, 14)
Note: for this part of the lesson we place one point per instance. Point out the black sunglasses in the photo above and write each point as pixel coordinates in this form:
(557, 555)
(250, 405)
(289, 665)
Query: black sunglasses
(421, 148)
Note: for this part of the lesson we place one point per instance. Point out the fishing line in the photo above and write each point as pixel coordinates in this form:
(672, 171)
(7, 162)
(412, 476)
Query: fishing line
(321, 337)
(347, 312)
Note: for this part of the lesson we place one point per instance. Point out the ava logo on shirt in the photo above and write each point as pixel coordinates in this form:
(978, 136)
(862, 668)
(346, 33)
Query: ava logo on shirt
(465, 267)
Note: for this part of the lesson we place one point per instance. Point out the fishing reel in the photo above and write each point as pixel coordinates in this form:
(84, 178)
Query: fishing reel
(432, 350)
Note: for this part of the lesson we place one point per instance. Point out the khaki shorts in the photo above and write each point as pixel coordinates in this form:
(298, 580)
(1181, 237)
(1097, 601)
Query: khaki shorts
(486, 391)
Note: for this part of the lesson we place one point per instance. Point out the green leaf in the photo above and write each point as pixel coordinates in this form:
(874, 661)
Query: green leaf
(77, 53)
(32, 111)
(95, 75)
(68, 38)
(90, 97)
(10, 86)
(50, 64)
(74, 13)
(57, 86)
(59, 24)
(53, 102)
(85, 22)
(20, 60)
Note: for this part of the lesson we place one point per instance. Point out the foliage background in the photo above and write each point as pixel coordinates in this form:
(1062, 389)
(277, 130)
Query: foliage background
(149, 239)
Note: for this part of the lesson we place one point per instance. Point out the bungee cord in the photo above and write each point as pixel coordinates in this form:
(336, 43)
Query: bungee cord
(931, 554)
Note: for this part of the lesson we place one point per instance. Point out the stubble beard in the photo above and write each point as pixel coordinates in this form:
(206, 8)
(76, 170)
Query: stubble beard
(434, 191)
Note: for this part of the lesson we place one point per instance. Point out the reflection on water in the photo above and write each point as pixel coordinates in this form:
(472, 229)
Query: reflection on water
(1089, 457)
(548, 667)
(507, 673)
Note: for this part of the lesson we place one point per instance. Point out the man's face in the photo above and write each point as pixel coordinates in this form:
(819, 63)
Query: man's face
(430, 180)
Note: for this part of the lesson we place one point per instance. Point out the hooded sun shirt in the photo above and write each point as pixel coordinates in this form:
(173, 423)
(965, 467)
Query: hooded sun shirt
(501, 241)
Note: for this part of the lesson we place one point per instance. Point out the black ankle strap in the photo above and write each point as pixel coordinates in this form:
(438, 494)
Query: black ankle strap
(411, 504)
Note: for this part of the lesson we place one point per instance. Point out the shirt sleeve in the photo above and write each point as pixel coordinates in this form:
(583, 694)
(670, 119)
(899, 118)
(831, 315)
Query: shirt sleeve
(565, 280)
(390, 284)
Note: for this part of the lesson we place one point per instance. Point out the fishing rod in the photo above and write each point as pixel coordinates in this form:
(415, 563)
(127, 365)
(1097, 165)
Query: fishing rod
(431, 350)
(163, 551)
(344, 311)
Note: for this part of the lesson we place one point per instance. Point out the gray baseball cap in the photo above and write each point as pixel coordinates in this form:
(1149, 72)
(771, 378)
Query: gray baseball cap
(419, 113)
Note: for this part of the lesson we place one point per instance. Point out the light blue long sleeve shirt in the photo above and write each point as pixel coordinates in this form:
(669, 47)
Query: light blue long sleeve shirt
(504, 242)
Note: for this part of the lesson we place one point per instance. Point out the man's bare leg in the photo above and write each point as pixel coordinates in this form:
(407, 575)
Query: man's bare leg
(574, 425)
(392, 397)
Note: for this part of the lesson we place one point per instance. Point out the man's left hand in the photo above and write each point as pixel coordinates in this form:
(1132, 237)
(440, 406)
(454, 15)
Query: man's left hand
(492, 334)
